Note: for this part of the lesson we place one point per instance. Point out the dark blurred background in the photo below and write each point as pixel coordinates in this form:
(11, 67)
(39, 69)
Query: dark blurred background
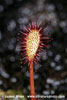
(50, 77)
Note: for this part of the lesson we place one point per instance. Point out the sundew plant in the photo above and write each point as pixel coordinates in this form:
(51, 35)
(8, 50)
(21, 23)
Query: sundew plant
(32, 41)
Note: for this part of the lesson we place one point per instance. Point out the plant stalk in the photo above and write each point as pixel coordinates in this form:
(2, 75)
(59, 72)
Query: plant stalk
(32, 89)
